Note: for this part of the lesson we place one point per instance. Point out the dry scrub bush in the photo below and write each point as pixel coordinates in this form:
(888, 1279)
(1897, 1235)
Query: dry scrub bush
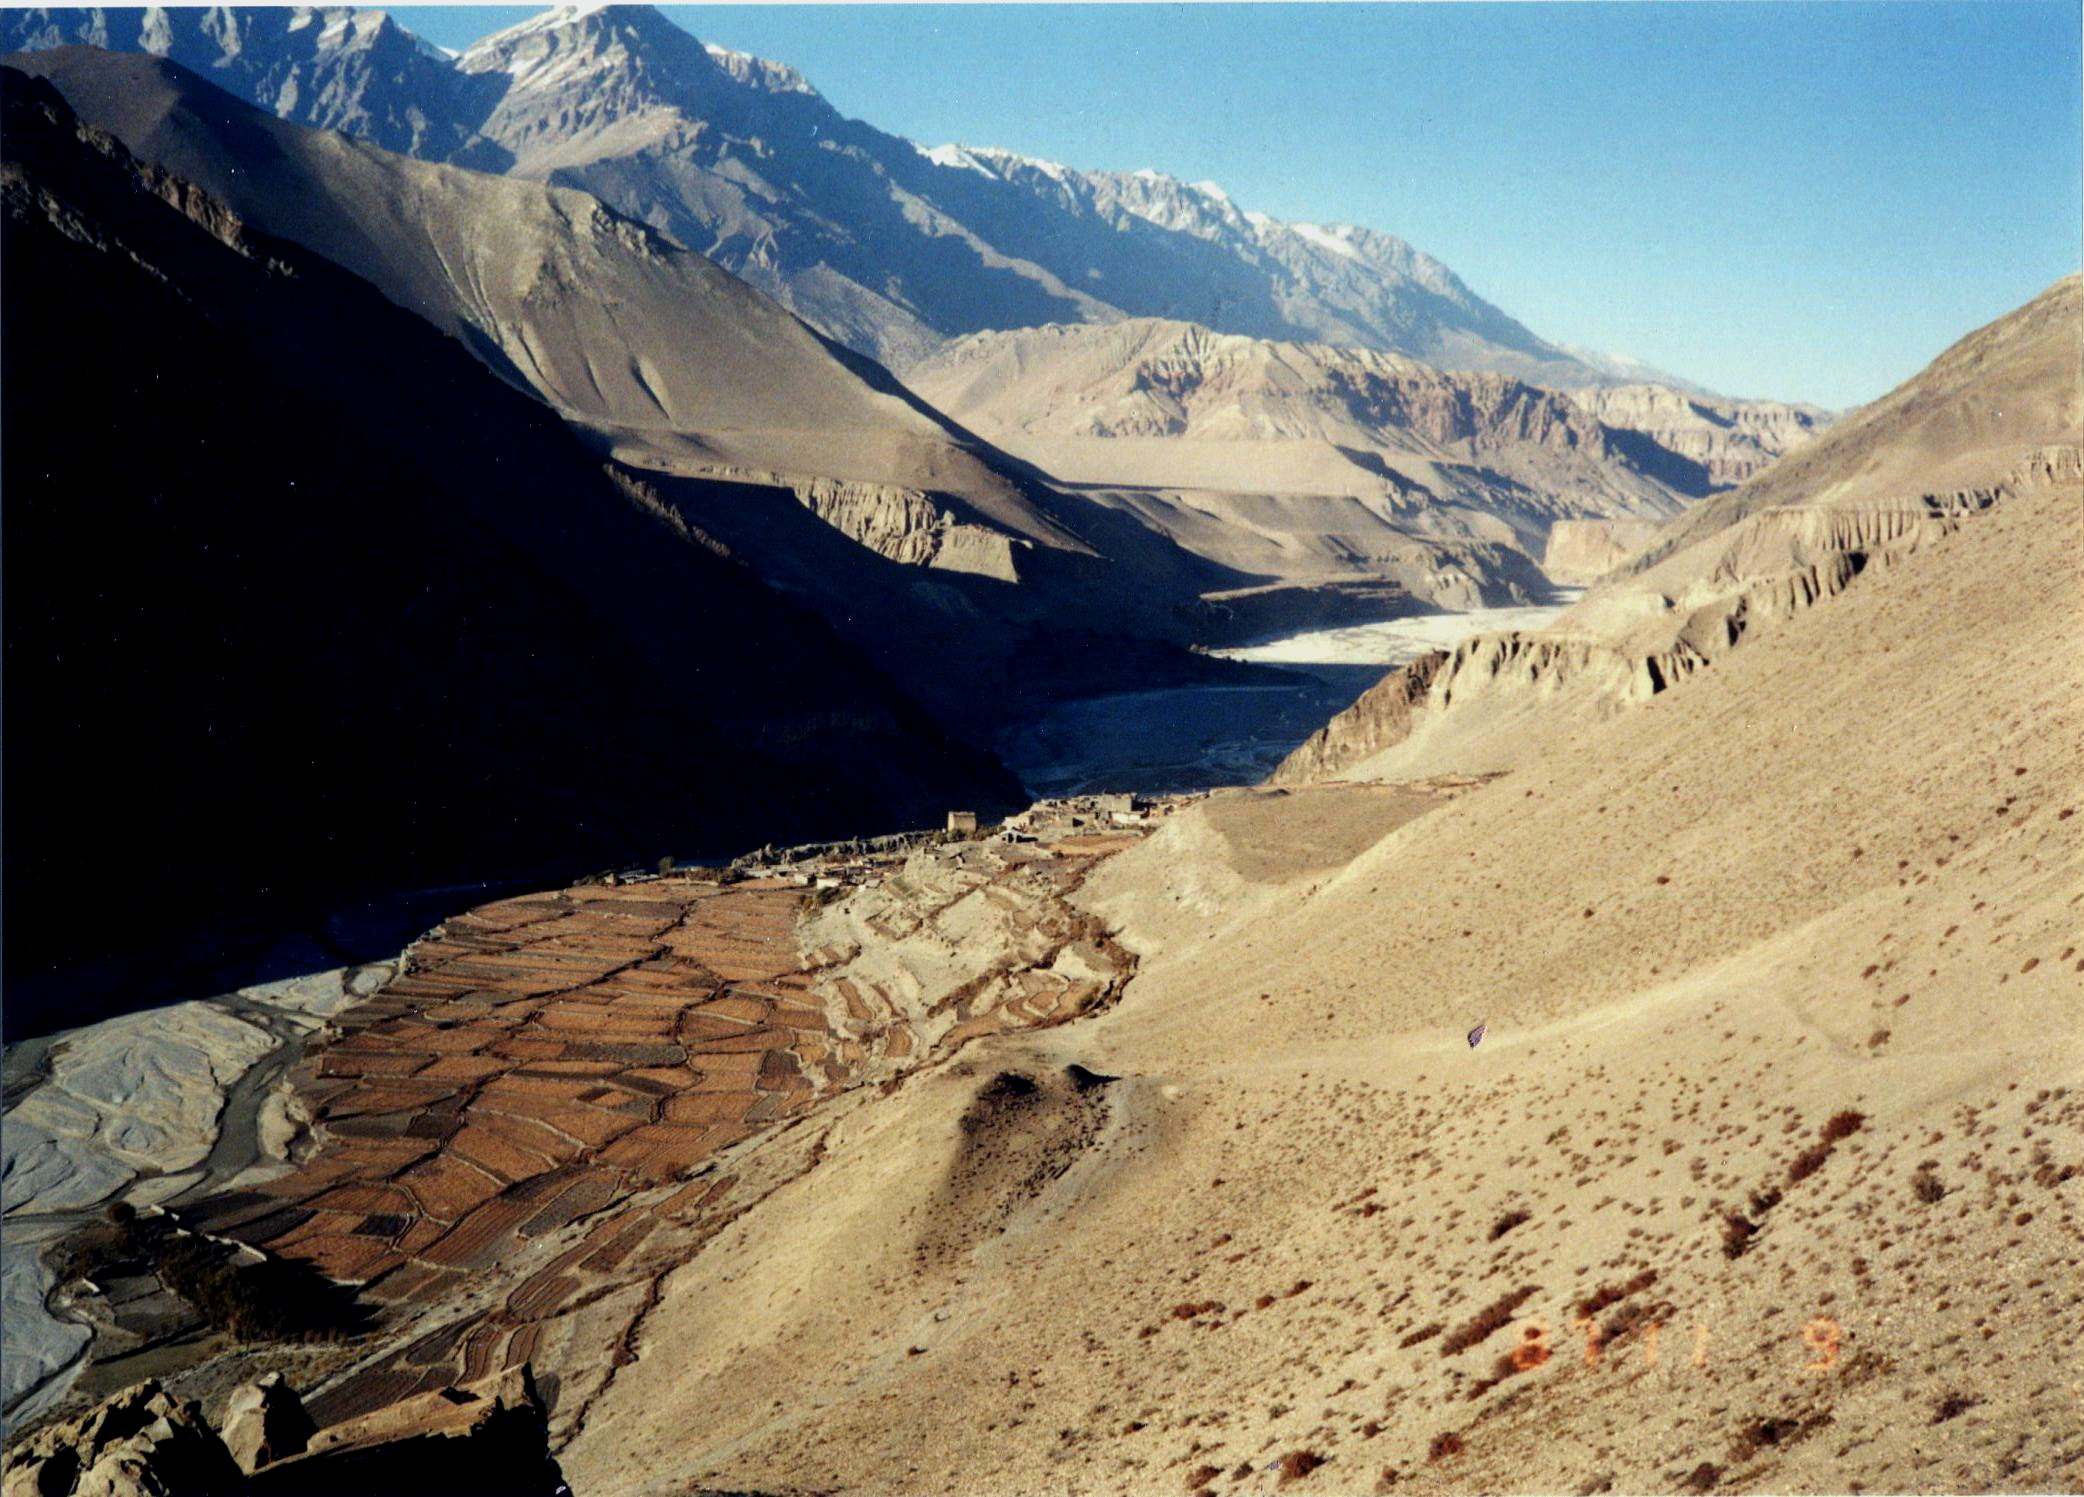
(1444, 1447)
(1297, 1464)
(1494, 1318)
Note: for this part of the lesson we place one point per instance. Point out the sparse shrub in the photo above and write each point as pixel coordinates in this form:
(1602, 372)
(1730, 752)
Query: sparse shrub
(1444, 1447)
(1701, 1478)
(1843, 1125)
(278, 1299)
(1612, 1294)
(813, 900)
(1633, 1316)
(1767, 1433)
(1297, 1464)
(1928, 1187)
(1737, 1232)
(1201, 1476)
(1508, 1221)
(1808, 1162)
(1953, 1406)
(1423, 1333)
(1006, 1086)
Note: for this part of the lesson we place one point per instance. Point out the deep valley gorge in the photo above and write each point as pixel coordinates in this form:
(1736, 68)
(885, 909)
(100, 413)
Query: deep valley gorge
(705, 801)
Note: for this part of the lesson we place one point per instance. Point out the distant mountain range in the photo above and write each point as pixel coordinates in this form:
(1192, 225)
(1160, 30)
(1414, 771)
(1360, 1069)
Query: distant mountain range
(887, 246)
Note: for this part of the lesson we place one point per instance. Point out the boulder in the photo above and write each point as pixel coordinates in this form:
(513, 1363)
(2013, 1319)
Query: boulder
(265, 1422)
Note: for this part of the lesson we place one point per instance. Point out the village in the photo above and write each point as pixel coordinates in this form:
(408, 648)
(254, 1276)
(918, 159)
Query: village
(1074, 824)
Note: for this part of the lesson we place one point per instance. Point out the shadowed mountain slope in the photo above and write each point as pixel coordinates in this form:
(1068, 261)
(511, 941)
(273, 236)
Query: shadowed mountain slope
(657, 350)
(310, 607)
(948, 562)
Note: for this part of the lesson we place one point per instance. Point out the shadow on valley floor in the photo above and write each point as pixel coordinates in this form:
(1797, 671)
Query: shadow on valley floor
(1181, 738)
(223, 957)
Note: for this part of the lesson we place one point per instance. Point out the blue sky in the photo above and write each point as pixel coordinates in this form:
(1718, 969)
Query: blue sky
(1806, 201)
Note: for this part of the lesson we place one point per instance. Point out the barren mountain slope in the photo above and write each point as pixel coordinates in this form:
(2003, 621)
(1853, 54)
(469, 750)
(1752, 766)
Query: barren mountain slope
(1303, 462)
(1997, 418)
(1781, 1098)
(670, 359)
(315, 609)
(1968, 420)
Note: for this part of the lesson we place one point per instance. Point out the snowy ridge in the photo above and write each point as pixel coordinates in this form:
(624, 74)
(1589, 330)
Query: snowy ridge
(1329, 239)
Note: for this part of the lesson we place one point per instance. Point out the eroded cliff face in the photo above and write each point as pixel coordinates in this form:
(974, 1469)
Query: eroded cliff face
(1731, 440)
(1583, 551)
(1620, 651)
(1994, 421)
(1151, 378)
(1380, 718)
(907, 526)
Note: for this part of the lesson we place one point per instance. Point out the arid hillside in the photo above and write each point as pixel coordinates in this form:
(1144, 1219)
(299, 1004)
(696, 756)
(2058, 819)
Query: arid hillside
(1766, 1177)
(1098, 1164)
(1301, 459)
(1998, 417)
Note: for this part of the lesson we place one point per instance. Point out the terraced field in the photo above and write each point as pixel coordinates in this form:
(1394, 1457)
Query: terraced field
(518, 1137)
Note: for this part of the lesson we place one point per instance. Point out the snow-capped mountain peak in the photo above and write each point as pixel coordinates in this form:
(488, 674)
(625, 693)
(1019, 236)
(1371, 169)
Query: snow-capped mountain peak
(888, 246)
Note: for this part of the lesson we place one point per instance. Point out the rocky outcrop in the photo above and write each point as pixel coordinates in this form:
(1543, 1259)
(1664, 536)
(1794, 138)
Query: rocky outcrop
(907, 526)
(1583, 551)
(265, 1422)
(141, 1443)
(486, 1437)
(1380, 718)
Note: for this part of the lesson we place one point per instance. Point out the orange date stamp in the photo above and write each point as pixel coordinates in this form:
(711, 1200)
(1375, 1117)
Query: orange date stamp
(1822, 1337)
